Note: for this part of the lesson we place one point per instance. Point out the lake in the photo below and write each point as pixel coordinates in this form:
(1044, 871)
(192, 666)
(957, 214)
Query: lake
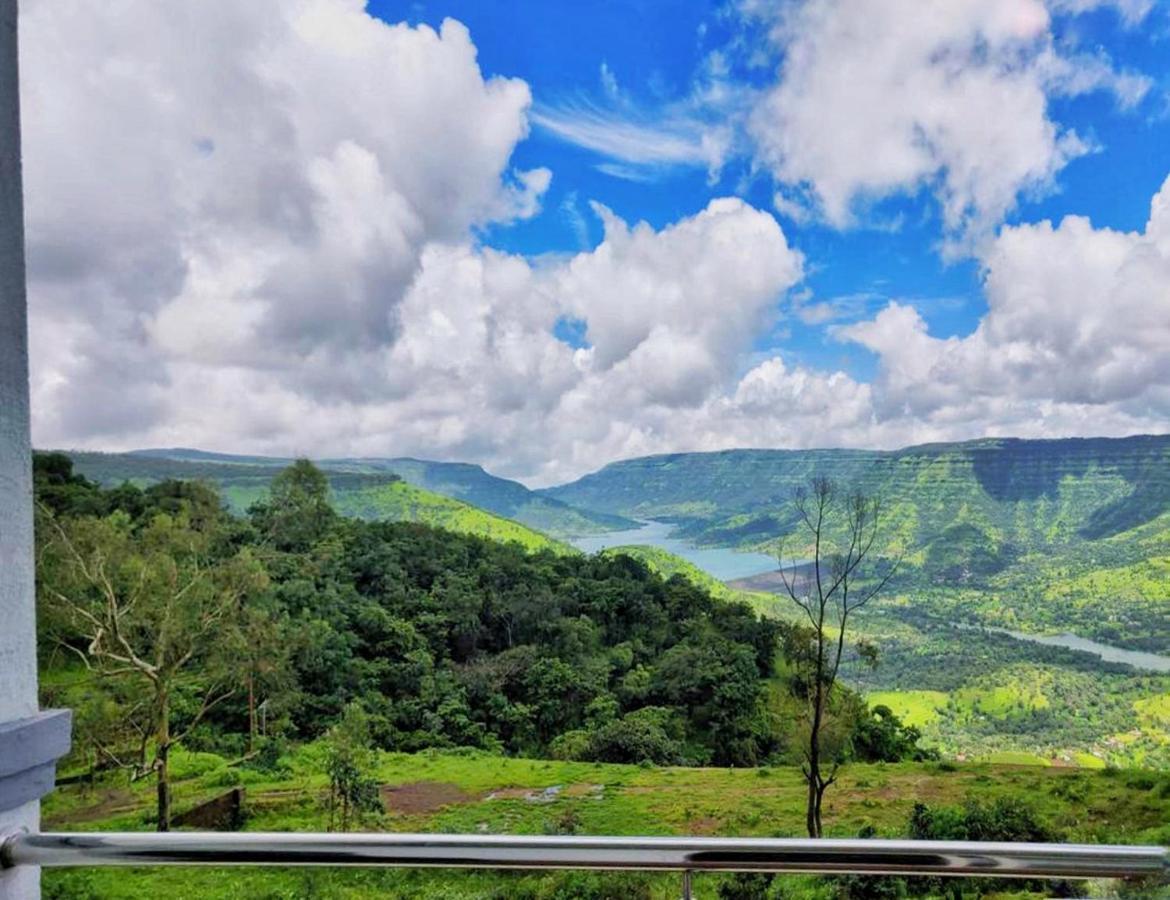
(719, 562)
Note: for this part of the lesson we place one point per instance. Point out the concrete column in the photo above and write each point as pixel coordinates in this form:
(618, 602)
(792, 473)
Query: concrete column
(30, 741)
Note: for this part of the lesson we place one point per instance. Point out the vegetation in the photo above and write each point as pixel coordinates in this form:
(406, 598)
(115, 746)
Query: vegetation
(501, 496)
(464, 791)
(242, 478)
(822, 593)
(161, 604)
(402, 502)
(365, 493)
(397, 675)
(444, 640)
(1032, 535)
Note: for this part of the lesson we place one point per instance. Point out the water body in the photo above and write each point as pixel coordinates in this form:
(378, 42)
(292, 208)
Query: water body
(1151, 662)
(730, 565)
(719, 562)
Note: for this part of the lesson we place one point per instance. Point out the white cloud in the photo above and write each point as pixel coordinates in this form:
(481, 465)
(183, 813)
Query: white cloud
(643, 144)
(252, 227)
(242, 184)
(948, 96)
(1076, 338)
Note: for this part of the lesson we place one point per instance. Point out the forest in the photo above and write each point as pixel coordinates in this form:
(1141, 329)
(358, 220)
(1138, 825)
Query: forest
(394, 675)
(166, 619)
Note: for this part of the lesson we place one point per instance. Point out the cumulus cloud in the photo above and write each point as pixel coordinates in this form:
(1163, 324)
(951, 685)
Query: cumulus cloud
(1076, 338)
(252, 227)
(474, 370)
(948, 96)
(243, 184)
(271, 247)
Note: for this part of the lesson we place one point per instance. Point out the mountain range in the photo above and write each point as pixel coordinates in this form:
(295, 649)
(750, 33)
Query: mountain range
(243, 478)
(1036, 534)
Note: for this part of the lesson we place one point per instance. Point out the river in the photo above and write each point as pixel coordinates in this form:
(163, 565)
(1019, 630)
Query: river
(1151, 662)
(730, 565)
(719, 562)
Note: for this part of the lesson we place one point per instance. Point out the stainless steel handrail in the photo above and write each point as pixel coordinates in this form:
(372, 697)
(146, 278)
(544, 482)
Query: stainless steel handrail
(826, 856)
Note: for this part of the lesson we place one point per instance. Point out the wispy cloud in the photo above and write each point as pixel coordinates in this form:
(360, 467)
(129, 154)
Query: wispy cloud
(572, 216)
(628, 137)
(644, 142)
(640, 174)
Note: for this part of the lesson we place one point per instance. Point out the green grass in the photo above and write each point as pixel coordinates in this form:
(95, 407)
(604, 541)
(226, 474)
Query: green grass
(1155, 710)
(1017, 758)
(471, 792)
(912, 707)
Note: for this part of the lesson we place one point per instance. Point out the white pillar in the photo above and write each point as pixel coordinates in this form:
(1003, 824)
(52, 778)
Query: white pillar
(18, 669)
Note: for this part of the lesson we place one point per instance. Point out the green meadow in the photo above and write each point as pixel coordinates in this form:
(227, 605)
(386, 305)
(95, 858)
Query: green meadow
(473, 792)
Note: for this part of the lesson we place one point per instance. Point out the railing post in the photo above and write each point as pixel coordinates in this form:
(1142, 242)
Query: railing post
(30, 741)
(686, 885)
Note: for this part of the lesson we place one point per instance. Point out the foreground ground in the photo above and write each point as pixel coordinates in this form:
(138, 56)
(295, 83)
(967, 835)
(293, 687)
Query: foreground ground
(473, 792)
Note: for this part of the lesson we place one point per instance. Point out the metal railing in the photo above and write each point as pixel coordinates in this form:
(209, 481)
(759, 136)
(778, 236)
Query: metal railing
(682, 854)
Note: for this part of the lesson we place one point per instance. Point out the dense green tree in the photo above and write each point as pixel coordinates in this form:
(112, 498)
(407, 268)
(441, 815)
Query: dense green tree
(297, 513)
(880, 736)
(444, 639)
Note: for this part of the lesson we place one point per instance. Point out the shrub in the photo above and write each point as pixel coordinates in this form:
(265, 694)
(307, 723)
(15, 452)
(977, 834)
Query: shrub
(651, 734)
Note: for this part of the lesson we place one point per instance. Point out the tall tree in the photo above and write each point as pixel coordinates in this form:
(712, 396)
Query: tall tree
(297, 513)
(841, 530)
(160, 605)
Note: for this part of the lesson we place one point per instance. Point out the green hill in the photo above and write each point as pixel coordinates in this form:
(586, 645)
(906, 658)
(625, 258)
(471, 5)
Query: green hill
(366, 495)
(471, 484)
(461, 481)
(1028, 534)
(1024, 492)
(402, 502)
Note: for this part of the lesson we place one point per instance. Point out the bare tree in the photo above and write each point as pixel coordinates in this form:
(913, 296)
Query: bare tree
(842, 529)
(157, 606)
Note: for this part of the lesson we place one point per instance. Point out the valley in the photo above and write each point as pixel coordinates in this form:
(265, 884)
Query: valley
(629, 670)
(1033, 571)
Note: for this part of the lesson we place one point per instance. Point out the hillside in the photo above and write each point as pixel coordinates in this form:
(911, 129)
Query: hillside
(511, 499)
(398, 501)
(364, 495)
(461, 481)
(1024, 491)
(1037, 535)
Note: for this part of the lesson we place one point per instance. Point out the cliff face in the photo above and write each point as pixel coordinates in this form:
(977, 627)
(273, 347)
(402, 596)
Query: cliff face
(1021, 492)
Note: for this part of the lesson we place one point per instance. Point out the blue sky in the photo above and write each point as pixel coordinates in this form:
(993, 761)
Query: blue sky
(544, 236)
(656, 50)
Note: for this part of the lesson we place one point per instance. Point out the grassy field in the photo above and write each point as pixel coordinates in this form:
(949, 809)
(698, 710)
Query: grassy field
(460, 791)
(916, 708)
